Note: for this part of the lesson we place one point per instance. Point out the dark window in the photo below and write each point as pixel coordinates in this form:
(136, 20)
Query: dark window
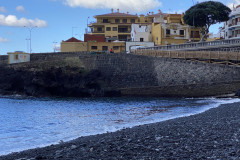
(104, 48)
(182, 32)
(16, 57)
(168, 31)
(117, 20)
(94, 47)
(99, 29)
(108, 28)
(132, 20)
(115, 47)
(195, 34)
(124, 20)
(105, 21)
(114, 28)
(141, 39)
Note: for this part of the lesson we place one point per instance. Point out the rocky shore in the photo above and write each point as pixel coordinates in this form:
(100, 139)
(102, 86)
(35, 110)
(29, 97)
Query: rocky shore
(214, 134)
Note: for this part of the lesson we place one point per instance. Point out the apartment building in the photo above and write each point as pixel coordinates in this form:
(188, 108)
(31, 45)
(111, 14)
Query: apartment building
(171, 29)
(232, 26)
(114, 25)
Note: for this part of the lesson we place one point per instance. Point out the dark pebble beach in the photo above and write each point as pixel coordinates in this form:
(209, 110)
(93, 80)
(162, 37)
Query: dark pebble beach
(214, 135)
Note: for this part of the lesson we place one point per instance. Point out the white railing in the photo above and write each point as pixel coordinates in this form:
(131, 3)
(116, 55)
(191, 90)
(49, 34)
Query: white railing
(196, 45)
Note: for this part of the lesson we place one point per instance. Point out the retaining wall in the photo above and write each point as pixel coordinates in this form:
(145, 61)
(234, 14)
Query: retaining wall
(146, 75)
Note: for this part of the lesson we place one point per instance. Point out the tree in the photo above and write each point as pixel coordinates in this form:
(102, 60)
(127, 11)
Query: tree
(205, 14)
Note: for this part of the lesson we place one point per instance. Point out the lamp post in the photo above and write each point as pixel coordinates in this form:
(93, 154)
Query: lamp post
(87, 33)
(30, 39)
(193, 23)
(27, 39)
(73, 30)
(54, 46)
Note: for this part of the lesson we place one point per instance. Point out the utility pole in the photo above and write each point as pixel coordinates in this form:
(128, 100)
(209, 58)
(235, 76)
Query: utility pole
(54, 46)
(30, 39)
(73, 30)
(193, 23)
(87, 34)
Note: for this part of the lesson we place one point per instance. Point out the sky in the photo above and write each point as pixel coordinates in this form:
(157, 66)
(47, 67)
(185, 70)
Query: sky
(51, 21)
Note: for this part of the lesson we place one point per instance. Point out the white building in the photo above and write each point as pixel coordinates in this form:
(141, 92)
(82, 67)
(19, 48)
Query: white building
(141, 33)
(18, 57)
(232, 26)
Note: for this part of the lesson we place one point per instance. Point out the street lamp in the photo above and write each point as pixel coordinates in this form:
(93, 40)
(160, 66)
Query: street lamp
(27, 39)
(87, 33)
(193, 23)
(73, 30)
(30, 39)
(54, 46)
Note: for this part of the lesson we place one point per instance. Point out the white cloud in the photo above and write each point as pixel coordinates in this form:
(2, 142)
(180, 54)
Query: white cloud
(12, 20)
(123, 5)
(2, 9)
(20, 9)
(3, 39)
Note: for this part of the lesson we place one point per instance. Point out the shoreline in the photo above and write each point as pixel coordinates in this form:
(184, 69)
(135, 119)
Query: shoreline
(211, 134)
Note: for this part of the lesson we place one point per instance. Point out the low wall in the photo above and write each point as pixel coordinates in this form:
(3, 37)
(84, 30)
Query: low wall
(193, 90)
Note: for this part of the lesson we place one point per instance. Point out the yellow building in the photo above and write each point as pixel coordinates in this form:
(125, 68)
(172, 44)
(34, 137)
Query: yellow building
(171, 29)
(114, 25)
(166, 28)
(75, 45)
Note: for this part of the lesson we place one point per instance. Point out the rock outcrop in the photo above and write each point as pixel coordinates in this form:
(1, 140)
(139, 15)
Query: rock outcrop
(55, 78)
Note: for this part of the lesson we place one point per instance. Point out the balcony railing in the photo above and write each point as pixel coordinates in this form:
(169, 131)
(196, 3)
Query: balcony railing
(98, 32)
(119, 31)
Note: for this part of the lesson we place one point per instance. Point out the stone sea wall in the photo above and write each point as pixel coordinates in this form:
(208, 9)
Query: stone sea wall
(150, 76)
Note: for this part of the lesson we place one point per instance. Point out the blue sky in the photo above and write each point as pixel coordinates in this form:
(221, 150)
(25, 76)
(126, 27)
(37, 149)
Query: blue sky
(58, 20)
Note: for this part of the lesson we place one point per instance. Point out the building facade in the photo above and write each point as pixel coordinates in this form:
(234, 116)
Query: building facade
(141, 32)
(18, 57)
(160, 28)
(75, 45)
(232, 26)
(171, 29)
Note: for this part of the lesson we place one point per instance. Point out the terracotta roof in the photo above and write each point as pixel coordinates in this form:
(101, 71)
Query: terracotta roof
(97, 38)
(116, 14)
(73, 40)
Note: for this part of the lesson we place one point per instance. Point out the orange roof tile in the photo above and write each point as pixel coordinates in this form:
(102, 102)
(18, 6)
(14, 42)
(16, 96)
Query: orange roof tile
(73, 40)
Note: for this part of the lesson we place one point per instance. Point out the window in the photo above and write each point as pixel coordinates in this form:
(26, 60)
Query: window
(195, 34)
(99, 29)
(124, 20)
(108, 28)
(94, 47)
(141, 39)
(114, 28)
(105, 21)
(181, 32)
(168, 31)
(115, 47)
(104, 48)
(16, 57)
(117, 20)
(132, 20)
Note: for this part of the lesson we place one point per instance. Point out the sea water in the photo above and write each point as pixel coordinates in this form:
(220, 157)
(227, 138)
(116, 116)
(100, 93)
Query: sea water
(30, 122)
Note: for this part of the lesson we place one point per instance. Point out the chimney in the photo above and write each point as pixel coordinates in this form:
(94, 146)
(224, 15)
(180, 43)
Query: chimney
(152, 13)
(112, 10)
(117, 10)
(159, 11)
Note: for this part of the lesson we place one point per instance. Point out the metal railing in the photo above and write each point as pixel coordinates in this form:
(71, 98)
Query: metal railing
(197, 45)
